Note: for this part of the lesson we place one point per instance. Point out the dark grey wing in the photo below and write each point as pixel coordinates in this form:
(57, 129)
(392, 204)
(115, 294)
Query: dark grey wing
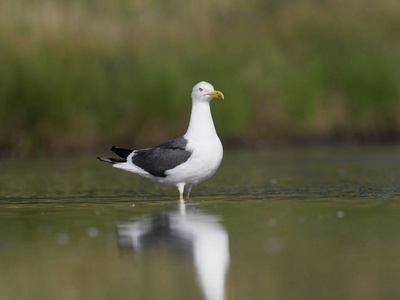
(166, 156)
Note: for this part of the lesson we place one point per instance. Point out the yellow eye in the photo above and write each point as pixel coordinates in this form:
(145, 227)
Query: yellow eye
(200, 89)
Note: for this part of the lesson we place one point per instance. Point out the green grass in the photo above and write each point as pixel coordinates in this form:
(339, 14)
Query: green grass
(77, 75)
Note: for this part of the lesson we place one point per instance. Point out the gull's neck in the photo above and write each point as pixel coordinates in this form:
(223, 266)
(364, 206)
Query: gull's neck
(201, 124)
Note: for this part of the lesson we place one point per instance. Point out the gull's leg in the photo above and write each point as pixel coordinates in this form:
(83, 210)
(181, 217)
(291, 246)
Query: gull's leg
(180, 187)
(188, 189)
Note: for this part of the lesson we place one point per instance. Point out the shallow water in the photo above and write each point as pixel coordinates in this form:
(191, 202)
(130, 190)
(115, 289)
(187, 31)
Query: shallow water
(290, 224)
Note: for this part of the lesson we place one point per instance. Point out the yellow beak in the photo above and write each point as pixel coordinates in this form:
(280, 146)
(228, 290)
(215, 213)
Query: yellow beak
(216, 94)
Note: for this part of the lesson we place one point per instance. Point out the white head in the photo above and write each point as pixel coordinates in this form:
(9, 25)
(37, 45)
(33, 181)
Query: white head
(204, 91)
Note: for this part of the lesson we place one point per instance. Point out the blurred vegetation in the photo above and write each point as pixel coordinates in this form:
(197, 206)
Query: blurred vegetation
(81, 74)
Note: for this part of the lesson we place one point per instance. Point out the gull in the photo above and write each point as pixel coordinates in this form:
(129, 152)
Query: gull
(185, 161)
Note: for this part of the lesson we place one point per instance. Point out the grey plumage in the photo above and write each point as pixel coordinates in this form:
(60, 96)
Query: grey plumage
(155, 161)
(158, 160)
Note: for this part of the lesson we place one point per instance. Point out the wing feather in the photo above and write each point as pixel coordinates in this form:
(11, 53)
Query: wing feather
(166, 156)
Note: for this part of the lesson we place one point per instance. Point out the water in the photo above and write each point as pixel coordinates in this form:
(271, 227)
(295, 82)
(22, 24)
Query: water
(292, 224)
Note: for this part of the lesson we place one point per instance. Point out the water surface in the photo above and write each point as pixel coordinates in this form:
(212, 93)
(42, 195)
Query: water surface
(289, 224)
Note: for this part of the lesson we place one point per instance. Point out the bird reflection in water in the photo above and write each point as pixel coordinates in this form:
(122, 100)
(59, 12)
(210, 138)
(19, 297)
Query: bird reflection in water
(187, 232)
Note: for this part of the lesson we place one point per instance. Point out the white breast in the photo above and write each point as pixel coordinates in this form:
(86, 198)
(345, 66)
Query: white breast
(202, 164)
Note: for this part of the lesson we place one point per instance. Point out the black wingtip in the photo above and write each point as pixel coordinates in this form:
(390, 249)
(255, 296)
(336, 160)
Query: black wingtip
(121, 152)
(105, 159)
(111, 160)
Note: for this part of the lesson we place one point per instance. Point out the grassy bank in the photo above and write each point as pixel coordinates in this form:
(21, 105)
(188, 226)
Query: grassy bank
(78, 75)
